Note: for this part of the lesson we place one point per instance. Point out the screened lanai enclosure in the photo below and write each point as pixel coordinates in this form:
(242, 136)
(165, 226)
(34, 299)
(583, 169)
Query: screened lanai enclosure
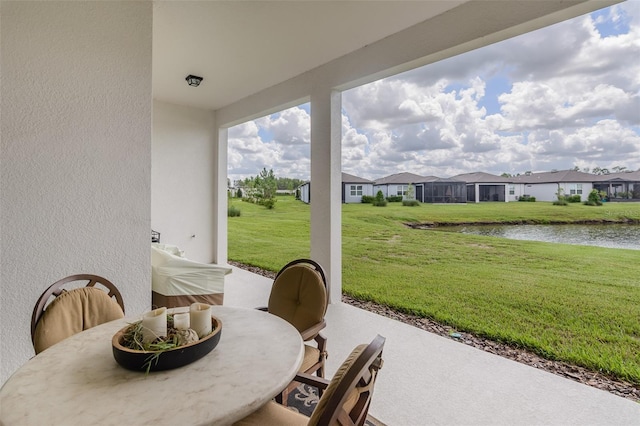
(486, 193)
(442, 191)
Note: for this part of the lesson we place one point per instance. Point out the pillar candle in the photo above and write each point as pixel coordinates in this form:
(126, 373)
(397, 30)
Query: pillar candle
(154, 325)
(200, 316)
(181, 321)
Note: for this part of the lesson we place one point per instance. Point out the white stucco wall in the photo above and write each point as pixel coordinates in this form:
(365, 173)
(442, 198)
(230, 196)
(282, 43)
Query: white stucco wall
(182, 175)
(75, 155)
(367, 189)
(548, 191)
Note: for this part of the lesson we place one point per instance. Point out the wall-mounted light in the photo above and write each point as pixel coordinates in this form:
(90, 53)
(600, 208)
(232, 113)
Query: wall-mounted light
(194, 80)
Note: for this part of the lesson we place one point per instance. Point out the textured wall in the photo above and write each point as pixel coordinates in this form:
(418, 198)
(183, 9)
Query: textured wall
(75, 154)
(182, 174)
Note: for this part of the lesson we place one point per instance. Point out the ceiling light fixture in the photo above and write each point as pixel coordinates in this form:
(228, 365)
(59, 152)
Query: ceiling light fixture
(194, 80)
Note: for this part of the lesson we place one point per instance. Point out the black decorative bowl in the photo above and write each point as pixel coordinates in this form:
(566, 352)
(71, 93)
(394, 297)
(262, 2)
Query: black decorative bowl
(137, 360)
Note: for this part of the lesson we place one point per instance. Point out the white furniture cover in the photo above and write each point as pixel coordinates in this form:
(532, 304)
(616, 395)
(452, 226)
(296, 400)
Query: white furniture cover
(177, 281)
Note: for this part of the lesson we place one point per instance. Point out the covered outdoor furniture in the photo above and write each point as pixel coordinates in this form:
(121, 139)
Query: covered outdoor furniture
(346, 399)
(60, 313)
(299, 295)
(176, 281)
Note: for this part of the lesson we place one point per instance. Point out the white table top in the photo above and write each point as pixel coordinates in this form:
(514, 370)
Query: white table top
(77, 381)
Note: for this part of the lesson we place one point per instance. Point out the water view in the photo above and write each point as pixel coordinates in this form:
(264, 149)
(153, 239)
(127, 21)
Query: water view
(611, 236)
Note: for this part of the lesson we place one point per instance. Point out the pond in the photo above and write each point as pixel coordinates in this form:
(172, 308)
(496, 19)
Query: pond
(610, 236)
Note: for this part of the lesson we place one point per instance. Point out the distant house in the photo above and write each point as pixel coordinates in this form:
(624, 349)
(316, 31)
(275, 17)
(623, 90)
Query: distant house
(354, 187)
(619, 186)
(483, 186)
(544, 186)
(397, 184)
(433, 189)
(304, 192)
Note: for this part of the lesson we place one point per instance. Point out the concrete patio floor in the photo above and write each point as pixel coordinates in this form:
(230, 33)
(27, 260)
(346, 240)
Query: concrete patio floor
(431, 380)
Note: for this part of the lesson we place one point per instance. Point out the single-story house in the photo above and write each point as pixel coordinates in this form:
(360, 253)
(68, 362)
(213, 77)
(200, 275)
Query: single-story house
(545, 186)
(304, 192)
(353, 188)
(483, 186)
(619, 186)
(398, 183)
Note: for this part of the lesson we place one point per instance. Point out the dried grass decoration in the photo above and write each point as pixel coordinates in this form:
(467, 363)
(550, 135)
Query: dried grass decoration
(132, 338)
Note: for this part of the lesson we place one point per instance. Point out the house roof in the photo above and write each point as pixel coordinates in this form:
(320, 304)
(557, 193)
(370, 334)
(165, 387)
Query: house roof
(619, 177)
(555, 177)
(433, 179)
(404, 178)
(347, 178)
(481, 177)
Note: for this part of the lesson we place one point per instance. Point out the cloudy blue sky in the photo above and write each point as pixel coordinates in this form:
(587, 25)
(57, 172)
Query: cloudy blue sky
(563, 96)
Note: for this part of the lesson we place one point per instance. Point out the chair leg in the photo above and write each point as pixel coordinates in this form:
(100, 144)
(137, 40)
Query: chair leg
(282, 397)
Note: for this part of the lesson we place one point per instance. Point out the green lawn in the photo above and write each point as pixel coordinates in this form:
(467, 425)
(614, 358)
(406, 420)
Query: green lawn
(578, 304)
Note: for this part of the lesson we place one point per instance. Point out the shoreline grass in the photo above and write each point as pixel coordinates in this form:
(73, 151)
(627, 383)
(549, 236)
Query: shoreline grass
(578, 304)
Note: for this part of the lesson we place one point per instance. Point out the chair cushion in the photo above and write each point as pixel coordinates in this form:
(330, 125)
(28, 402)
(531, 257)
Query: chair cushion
(72, 312)
(311, 357)
(273, 414)
(333, 385)
(299, 296)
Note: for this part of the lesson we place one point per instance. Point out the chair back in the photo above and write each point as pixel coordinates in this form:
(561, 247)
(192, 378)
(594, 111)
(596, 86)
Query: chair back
(60, 313)
(299, 294)
(347, 398)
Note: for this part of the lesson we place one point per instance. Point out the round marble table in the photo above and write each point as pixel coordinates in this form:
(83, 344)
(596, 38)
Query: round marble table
(77, 381)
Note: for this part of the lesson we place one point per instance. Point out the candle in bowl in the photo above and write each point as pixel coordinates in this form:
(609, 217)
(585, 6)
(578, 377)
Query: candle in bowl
(200, 316)
(181, 321)
(154, 325)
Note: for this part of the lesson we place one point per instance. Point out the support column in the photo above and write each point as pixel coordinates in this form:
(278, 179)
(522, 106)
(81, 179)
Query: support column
(219, 186)
(476, 188)
(326, 178)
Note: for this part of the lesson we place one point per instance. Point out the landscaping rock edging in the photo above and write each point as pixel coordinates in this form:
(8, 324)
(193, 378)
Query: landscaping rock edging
(579, 374)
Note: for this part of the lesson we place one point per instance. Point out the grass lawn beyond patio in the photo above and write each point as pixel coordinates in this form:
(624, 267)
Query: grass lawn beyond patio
(577, 304)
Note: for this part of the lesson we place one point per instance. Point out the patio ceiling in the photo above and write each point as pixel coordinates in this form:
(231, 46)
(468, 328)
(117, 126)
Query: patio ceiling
(241, 48)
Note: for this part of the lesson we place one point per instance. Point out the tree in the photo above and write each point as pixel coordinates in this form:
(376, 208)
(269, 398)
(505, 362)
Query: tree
(266, 187)
(380, 200)
(411, 193)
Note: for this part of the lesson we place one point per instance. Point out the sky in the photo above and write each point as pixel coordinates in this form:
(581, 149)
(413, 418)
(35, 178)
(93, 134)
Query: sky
(561, 97)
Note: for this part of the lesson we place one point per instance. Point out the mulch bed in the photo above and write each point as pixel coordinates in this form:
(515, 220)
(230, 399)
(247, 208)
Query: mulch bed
(573, 372)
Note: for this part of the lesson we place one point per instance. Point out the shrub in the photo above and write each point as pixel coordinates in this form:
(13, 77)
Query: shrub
(573, 198)
(595, 199)
(368, 199)
(394, 198)
(560, 202)
(380, 201)
(269, 203)
(410, 203)
(624, 194)
(233, 211)
(527, 198)
(239, 193)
